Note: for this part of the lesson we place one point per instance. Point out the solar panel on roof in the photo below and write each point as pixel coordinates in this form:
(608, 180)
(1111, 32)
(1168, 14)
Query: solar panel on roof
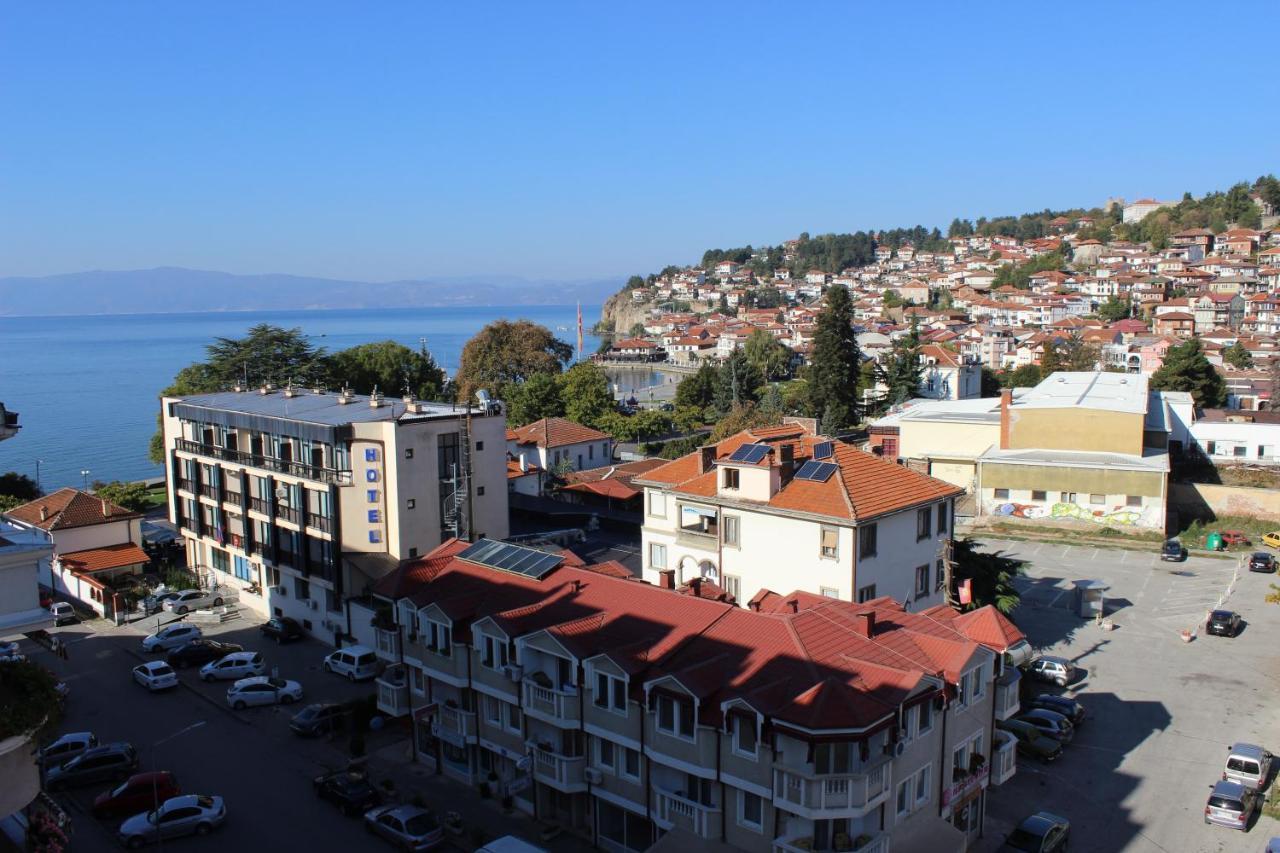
(819, 472)
(516, 559)
(750, 453)
(823, 450)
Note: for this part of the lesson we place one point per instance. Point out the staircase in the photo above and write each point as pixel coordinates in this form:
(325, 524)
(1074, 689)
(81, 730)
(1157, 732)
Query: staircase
(457, 505)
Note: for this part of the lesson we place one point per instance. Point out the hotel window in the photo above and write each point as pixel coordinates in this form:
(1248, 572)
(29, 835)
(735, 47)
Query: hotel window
(731, 478)
(658, 504)
(408, 453)
(479, 491)
(1097, 500)
(1002, 494)
(867, 540)
(730, 529)
(830, 542)
(410, 503)
(922, 580)
(301, 589)
(924, 523)
(479, 446)
(1038, 495)
(750, 810)
(657, 556)
(1133, 500)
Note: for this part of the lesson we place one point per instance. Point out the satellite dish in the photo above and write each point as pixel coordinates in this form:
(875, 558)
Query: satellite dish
(282, 493)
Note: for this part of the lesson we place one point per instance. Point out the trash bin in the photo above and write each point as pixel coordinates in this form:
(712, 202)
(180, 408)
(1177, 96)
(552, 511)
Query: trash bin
(1213, 542)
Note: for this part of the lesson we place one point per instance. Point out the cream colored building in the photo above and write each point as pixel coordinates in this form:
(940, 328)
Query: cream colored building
(299, 499)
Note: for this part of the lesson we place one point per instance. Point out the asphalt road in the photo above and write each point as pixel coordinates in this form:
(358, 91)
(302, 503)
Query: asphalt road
(1161, 712)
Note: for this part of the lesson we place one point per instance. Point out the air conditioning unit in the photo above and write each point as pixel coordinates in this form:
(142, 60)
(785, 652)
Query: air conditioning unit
(278, 590)
(514, 671)
(593, 775)
(895, 749)
(315, 605)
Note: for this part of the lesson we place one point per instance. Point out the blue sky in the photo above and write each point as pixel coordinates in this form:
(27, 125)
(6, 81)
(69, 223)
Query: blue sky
(393, 140)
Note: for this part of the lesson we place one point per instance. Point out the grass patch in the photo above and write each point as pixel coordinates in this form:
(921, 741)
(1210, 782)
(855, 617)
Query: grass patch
(1195, 532)
(1271, 808)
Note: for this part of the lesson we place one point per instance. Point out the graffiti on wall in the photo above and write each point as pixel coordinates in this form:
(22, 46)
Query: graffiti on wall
(1119, 516)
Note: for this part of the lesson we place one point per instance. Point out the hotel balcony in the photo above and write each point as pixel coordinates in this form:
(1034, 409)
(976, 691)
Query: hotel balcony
(1005, 758)
(877, 843)
(301, 470)
(674, 810)
(1007, 693)
(393, 691)
(562, 772)
(558, 707)
(319, 522)
(824, 796)
(233, 498)
(454, 725)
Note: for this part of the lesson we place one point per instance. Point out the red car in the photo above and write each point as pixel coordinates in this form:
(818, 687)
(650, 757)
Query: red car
(139, 793)
(1234, 537)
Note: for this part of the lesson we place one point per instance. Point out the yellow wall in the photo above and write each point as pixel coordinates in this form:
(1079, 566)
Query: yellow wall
(1052, 478)
(928, 440)
(1075, 429)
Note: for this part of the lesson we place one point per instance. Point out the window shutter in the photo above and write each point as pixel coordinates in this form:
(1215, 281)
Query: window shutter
(830, 538)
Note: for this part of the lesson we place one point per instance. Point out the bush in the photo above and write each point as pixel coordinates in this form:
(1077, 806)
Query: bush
(29, 698)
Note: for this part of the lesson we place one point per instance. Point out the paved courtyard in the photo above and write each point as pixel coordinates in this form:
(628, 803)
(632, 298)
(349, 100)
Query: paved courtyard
(1161, 712)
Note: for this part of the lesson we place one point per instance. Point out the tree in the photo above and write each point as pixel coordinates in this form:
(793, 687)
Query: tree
(1185, 368)
(585, 393)
(769, 356)
(991, 575)
(20, 487)
(131, 496)
(634, 283)
(767, 297)
(536, 398)
(902, 368)
(506, 351)
(1237, 356)
(697, 390)
(737, 382)
(389, 366)
(771, 401)
(1114, 309)
(1026, 376)
(1070, 354)
(989, 383)
(637, 330)
(891, 298)
(833, 376)
(738, 418)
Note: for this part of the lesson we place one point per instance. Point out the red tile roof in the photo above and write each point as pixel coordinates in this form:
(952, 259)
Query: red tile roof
(554, 432)
(68, 508)
(101, 559)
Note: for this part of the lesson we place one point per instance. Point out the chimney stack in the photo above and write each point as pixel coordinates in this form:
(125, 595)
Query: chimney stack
(105, 510)
(667, 579)
(1006, 400)
(708, 456)
(695, 587)
(866, 623)
(794, 604)
(44, 513)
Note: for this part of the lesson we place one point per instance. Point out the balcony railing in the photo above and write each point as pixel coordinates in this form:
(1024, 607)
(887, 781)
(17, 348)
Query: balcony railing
(234, 498)
(393, 691)
(966, 785)
(261, 505)
(877, 843)
(454, 725)
(562, 772)
(387, 642)
(677, 810)
(289, 514)
(187, 485)
(235, 540)
(341, 476)
(319, 522)
(1005, 760)
(831, 795)
(1007, 693)
(553, 706)
(207, 490)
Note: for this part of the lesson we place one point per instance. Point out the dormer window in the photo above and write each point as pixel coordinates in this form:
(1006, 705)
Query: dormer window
(745, 741)
(611, 693)
(493, 653)
(731, 477)
(675, 716)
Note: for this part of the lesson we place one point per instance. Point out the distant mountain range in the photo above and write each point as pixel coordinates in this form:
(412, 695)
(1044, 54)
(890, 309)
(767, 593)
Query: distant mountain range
(175, 289)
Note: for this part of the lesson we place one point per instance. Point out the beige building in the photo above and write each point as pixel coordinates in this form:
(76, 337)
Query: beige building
(298, 499)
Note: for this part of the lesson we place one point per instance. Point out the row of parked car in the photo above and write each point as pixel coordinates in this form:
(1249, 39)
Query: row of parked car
(1237, 798)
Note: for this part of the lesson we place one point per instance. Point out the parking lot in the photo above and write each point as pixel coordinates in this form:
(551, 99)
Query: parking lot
(248, 757)
(1161, 711)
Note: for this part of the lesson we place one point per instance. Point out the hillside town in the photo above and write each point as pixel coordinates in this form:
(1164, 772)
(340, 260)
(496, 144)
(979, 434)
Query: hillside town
(906, 579)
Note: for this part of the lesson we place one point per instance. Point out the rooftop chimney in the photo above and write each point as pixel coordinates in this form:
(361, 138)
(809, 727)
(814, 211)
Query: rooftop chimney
(695, 586)
(1006, 399)
(794, 604)
(708, 456)
(667, 579)
(524, 464)
(866, 623)
(105, 509)
(44, 513)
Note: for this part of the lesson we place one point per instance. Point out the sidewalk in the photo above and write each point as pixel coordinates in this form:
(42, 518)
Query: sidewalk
(442, 795)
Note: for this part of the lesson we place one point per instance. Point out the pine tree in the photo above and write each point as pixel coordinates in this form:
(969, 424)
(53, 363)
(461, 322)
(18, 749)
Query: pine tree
(1185, 368)
(1237, 356)
(902, 371)
(833, 376)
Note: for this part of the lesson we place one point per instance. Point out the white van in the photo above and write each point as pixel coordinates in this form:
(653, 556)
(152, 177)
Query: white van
(509, 844)
(355, 662)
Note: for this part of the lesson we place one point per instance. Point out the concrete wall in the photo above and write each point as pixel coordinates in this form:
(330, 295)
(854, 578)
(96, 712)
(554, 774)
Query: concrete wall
(1075, 429)
(1192, 499)
(927, 439)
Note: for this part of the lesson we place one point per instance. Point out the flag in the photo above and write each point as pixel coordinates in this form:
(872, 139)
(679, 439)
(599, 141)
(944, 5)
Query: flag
(579, 331)
(966, 591)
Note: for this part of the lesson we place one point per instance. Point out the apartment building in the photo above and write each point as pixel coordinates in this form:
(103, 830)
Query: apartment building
(298, 499)
(23, 549)
(779, 507)
(621, 710)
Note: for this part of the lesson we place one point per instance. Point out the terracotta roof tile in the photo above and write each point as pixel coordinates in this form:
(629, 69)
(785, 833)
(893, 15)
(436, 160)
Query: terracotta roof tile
(554, 432)
(101, 559)
(68, 508)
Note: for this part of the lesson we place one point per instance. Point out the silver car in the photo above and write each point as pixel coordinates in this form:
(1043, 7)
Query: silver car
(233, 666)
(67, 747)
(1231, 805)
(407, 827)
(1050, 723)
(171, 637)
(186, 815)
(192, 599)
(1248, 764)
(262, 690)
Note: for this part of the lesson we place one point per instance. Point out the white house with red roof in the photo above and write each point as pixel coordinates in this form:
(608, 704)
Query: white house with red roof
(553, 443)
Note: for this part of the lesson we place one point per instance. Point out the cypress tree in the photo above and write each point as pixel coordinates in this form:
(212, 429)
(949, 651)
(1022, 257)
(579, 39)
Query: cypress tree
(833, 377)
(1185, 368)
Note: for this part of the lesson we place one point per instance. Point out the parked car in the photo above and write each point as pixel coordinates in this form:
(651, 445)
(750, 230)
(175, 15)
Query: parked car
(1053, 669)
(1224, 623)
(67, 747)
(1043, 832)
(155, 675)
(184, 815)
(1261, 561)
(192, 599)
(407, 827)
(9, 652)
(263, 690)
(138, 793)
(1272, 539)
(201, 651)
(1248, 764)
(1173, 551)
(63, 613)
(1051, 723)
(171, 637)
(282, 629)
(318, 719)
(351, 792)
(155, 603)
(1031, 741)
(1231, 805)
(108, 763)
(233, 666)
(1234, 538)
(355, 662)
(1068, 708)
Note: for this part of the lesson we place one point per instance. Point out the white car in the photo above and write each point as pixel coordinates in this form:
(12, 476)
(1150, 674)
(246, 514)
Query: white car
(155, 675)
(235, 665)
(355, 662)
(192, 599)
(184, 815)
(263, 690)
(67, 747)
(171, 637)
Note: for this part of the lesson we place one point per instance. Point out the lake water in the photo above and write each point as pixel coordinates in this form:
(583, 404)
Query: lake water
(87, 388)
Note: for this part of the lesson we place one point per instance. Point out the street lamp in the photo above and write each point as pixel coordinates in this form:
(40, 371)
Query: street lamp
(155, 776)
(38, 461)
(84, 472)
